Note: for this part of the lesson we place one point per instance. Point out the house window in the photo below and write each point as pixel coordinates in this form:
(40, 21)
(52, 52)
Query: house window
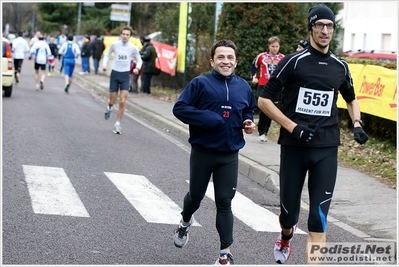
(386, 42)
(353, 42)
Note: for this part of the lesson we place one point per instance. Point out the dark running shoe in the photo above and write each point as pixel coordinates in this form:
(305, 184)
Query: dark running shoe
(66, 88)
(108, 112)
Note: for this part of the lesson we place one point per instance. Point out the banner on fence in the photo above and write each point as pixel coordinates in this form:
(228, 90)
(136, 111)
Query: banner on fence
(375, 89)
(167, 56)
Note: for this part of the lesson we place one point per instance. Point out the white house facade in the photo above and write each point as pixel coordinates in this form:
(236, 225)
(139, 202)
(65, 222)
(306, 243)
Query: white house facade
(369, 26)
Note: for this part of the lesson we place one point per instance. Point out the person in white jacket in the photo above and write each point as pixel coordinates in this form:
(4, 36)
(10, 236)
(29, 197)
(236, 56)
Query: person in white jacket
(40, 51)
(19, 48)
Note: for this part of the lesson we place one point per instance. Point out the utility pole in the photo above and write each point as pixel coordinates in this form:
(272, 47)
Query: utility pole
(79, 15)
(130, 13)
(217, 13)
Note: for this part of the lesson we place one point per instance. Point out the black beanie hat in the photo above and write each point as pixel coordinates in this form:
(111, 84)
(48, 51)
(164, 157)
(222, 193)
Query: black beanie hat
(304, 43)
(320, 12)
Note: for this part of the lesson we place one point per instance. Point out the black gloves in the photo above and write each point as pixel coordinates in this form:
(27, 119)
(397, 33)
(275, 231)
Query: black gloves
(360, 135)
(303, 132)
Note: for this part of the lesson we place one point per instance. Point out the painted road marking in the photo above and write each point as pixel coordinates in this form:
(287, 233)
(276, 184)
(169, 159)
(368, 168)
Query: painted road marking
(250, 213)
(52, 193)
(153, 205)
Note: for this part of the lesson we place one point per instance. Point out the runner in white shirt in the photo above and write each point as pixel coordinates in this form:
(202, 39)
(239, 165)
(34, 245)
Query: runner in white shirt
(123, 51)
(34, 39)
(40, 51)
(19, 48)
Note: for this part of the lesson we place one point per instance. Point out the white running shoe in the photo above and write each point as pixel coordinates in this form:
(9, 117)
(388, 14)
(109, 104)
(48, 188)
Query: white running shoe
(282, 248)
(262, 138)
(180, 238)
(118, 129)
(225, 259)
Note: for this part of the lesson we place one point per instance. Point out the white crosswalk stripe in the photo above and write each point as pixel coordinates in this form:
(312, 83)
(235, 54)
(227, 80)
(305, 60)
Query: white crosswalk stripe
(146, 198)
(250, 213)
(52, 193)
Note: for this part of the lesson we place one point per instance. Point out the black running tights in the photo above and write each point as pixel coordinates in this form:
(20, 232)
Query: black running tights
(224, 171)
(321, 166)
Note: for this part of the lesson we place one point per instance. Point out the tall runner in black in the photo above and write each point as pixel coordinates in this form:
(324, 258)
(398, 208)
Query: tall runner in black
(309, 81)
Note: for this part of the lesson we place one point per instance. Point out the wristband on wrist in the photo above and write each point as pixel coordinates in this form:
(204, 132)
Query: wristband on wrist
(359, 121)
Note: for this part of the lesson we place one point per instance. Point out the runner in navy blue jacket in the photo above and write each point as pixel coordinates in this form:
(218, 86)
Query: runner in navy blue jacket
(218, 107)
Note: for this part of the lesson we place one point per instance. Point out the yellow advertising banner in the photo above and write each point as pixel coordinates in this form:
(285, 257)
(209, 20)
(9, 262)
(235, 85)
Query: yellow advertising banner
(108, 40)
(375, 89)
(182, 39)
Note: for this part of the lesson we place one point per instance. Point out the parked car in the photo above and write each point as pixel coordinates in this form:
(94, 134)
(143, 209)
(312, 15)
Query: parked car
(7, 68)
(374, 55)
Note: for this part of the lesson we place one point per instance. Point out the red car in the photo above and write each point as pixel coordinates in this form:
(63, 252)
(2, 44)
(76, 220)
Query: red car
(371, 55)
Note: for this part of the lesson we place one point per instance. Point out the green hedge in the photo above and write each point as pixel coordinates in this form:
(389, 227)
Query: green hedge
(379, 128)
(382, 63)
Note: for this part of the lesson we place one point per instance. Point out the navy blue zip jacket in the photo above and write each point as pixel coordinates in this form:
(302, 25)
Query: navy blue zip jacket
(215, 107)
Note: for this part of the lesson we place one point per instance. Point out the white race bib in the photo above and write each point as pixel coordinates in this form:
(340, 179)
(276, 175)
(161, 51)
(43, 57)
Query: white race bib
(122, 58)
(314, 102)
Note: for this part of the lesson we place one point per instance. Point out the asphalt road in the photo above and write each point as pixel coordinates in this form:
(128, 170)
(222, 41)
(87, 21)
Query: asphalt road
(50, 129)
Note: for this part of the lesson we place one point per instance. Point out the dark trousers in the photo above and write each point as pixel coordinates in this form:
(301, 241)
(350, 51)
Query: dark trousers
(134, 83)
(146, 82)
(96, 63)
(264, 121)
(223, 168)
(320, 164)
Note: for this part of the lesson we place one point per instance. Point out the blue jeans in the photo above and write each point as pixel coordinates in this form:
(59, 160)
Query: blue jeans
(85, 64)
(96, 63)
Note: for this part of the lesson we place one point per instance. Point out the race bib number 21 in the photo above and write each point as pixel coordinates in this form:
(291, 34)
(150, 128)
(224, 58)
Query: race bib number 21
(314, 102)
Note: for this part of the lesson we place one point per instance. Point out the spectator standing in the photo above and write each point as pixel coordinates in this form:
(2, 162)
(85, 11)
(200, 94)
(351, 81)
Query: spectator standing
(218, 107)
(148, 55)
(11, 37)
(310, 133)
(123, 51)
(40, 50)
(302, 44)
(19, 49)
(52, 58)
(85, 55)
(134, 78)
(61, 39)
(98, 50)
(266, 62)
(69, 51)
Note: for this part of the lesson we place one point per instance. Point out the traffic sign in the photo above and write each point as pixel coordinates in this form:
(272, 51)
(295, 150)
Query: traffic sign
(120, 12)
